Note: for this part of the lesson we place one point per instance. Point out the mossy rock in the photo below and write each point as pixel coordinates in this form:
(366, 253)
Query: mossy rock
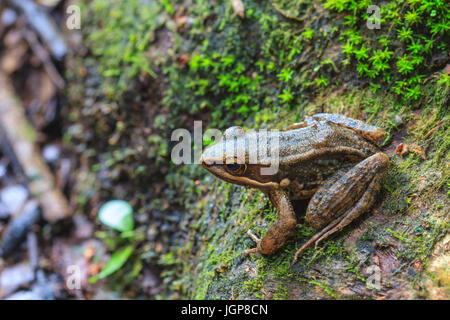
(198, 60)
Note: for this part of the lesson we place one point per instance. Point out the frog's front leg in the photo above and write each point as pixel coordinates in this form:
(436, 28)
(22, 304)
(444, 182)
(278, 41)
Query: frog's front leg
(333, 207)
(279, 231)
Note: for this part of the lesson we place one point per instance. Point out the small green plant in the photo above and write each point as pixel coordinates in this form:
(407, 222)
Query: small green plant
(405, 64)
(285, 75)
(322, 81)
(308, 34)
(117, 214)
(286, 96)
(444, 79)
(419, 27)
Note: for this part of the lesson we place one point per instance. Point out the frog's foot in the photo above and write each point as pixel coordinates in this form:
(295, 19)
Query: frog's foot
(280, 230)
(254, 238)
(349, 197)
(316, 238)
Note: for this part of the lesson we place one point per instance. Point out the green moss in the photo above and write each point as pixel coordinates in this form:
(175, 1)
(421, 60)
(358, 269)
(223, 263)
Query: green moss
(124, 31)
(232, 77)
(421, 32)
(301, 59)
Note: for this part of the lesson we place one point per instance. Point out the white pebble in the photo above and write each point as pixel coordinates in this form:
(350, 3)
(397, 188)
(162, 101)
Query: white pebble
(13, 197)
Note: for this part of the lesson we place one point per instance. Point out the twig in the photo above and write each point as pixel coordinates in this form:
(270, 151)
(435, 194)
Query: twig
(44, 26)
(42, 54)
(287, 15)
(11, 156)
(18, 228)
(440, 123)
(33, 251)
(20, 135)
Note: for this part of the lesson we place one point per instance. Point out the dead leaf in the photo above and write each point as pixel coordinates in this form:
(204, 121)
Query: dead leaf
(13, 58)
(159, 247)
(402, 149)
(94, 269)
(89, 252)
(180, 20)
(417, 265)
(183, 60)
(16, 48)
(419, 151)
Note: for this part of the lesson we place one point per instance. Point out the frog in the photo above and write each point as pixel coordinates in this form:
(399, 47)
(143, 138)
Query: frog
(330, 160)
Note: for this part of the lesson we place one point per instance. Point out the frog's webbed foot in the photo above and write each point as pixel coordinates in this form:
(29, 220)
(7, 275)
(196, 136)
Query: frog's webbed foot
(254, 238)
(349, 197)
(279, 231)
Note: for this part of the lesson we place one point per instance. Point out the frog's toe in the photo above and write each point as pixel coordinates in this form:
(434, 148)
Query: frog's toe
(299, 252)
(253, 236)
(318, 241)
(315, 239)
(249, 251)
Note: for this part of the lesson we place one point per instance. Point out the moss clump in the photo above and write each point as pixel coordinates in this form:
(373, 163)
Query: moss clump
(120, 42)
(398, 52)
(230, 76)
(289, 57)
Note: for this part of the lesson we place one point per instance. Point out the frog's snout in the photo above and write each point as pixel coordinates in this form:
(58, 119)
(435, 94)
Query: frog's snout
(209, 157)
(205, 161)
(202, 161)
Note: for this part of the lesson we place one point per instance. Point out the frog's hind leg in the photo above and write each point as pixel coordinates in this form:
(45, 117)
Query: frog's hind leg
(366, 131)
(349, 197)
(340, 222)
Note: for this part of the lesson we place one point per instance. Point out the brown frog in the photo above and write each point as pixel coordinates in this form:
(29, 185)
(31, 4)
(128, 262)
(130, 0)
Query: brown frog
(328, 158)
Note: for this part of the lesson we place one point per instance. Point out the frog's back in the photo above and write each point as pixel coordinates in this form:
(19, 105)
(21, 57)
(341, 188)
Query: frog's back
(320, 141)
(312, 154)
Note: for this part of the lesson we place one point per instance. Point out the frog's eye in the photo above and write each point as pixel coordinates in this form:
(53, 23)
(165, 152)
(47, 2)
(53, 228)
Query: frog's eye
(236, 168)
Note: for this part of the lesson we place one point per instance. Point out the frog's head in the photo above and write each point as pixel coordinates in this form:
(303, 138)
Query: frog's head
(232, 159)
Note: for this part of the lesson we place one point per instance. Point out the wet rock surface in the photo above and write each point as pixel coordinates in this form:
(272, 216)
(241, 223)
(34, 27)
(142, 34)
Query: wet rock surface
(108, 137)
